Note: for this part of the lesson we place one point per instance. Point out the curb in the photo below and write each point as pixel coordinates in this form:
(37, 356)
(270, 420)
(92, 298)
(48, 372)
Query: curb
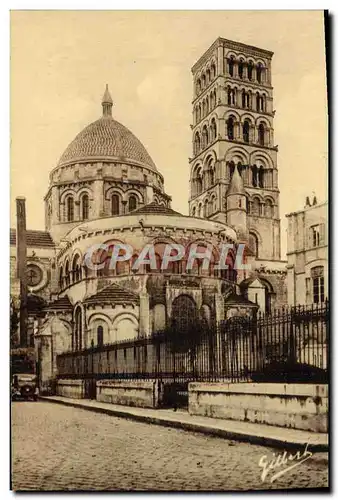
(196, 427)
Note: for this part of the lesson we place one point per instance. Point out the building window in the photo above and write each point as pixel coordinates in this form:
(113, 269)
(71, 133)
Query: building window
(250, 68)
(253, 244)
(261, 134)
(70, 209)
(231, 66)
(85, 207)
(197, 143)
(132, 203)
(115, 204)
(259, 73)
(316, 233)
(230, 129)
(317, 275)
(246, 131)
(240, 69)
(100, 335)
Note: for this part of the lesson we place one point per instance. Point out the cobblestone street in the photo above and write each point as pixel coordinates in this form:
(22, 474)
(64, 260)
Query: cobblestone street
(61, 448)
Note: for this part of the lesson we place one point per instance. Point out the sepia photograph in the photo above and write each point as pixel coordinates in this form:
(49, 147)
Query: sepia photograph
(169, 251)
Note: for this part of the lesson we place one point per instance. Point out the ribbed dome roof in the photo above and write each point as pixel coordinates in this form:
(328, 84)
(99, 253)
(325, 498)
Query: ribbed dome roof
(106, 139)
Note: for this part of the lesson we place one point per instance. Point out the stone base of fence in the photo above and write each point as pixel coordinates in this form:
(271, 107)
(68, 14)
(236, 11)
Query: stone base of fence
(69, 388)
(297, 406)
(140, 393)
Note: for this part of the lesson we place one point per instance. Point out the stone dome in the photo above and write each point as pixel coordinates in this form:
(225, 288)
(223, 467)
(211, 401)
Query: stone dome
(106, 140)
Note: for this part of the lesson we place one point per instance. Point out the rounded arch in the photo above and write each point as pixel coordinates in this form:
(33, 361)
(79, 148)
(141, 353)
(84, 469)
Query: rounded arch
(237, 155)
(184, 312)
(261, 158)
(113, 190)
(249, 117)
(134, 192)
(232, 114)
(76, 267)
(83, 190)
(125, 326)
(66, 193)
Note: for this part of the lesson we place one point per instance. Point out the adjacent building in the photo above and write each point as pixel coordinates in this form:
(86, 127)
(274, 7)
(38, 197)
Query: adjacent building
(307, 254)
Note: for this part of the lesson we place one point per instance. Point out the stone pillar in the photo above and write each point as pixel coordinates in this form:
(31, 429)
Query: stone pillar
(144, 321)
(149, 194)
(98, 196)
(55, 206)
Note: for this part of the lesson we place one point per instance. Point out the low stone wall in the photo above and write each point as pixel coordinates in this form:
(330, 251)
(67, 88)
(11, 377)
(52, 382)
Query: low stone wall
(141, 393)
(297, 406)
(69, 388)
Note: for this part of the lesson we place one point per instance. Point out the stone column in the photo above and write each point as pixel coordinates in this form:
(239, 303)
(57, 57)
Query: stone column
(97, 209)
(144, 321)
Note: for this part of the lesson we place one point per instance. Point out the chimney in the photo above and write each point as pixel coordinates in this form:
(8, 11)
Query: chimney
(21, 265)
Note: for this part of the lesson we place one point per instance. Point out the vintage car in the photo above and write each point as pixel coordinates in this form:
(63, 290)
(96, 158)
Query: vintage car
(24, 386)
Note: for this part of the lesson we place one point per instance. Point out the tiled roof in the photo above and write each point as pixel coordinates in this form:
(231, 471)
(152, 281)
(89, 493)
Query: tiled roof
(154, 208)
(113, 294)
(106, 138)
(34, 238)
(62, 304)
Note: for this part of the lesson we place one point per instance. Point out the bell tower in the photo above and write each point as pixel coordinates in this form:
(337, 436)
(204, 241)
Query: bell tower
(232, 131)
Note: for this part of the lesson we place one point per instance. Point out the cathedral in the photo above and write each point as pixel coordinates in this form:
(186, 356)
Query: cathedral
(107, 190)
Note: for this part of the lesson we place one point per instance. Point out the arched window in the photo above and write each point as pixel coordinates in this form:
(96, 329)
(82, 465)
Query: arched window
(198, 182)
(198, 86)
(261, 134)
(76, 269)
(203, 81)
(253, 244)
(77, 338)
(213, 71)
(256, 207)
(213, 130)
(99, 335)
(85, 207)
(193, 213)
(261, 177)
(132, 203)
(259, 72)
(213, 204)
(207, 105)
(257, 101)
(254, 171)
(208, 75)
(197, 143)
(246, 131)
(243, 99)
(240, 69)
(250, 68)
(115, 204)
(206, 208)
(211, 176)
(205, 137)
(230, 128)
(61, 277)
(199, 212)
(231, 66)
(70, 209)
(229, 96)
(268, 208)
(184, 313)
(67, 274)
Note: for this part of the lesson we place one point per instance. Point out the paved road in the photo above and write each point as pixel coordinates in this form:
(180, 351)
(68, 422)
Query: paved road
(56, 447)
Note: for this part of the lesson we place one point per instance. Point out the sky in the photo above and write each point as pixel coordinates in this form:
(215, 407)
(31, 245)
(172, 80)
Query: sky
(62, 60)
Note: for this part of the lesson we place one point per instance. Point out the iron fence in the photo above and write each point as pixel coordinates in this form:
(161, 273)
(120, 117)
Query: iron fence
(287, 345)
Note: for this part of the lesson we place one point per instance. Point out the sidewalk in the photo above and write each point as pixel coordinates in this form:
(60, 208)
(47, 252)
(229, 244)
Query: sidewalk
(262, 434)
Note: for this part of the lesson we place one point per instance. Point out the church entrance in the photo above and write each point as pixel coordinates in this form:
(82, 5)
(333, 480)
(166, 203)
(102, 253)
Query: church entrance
(181, 352)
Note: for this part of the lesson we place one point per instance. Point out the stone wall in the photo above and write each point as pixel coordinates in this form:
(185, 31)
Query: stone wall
(70, 388)
(297, 406)
(141, 393)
